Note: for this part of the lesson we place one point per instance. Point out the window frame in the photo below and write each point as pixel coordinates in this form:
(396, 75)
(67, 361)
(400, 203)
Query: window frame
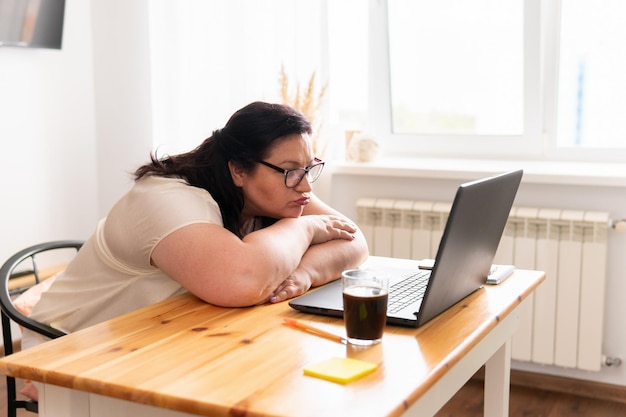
(538, 141)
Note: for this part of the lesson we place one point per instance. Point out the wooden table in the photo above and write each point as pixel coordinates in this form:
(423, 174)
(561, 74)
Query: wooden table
(184, 357)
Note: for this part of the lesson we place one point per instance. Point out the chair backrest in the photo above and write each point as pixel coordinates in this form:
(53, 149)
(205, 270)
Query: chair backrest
(14, 279)
(8, 272)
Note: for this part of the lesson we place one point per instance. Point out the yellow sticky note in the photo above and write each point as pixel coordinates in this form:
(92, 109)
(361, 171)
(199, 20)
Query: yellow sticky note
(342, 370)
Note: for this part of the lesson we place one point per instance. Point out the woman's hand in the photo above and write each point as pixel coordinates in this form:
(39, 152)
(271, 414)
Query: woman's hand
(293, 286)
(327, 256)
(329, 226)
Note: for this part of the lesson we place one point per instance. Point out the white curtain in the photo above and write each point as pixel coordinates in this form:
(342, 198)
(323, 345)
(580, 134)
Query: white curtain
(212, 57)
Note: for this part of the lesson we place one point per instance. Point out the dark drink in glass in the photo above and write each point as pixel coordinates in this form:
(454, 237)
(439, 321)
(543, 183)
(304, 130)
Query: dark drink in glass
(365, 295)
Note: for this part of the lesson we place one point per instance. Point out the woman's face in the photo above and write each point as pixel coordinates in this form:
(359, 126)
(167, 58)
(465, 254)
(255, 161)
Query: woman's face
(264, 190)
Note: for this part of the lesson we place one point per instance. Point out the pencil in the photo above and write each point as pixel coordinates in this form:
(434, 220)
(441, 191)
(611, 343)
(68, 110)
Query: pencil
(311, 329)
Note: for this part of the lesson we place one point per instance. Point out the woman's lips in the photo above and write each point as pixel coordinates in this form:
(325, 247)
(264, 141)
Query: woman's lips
(302, 201)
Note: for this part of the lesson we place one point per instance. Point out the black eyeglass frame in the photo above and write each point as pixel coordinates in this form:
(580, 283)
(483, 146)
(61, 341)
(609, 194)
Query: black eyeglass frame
(305, 171)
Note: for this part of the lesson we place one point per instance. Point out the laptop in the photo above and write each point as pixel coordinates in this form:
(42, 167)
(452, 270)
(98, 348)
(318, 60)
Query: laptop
(464, 258)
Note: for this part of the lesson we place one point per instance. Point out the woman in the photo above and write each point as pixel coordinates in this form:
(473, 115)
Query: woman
(234, 222)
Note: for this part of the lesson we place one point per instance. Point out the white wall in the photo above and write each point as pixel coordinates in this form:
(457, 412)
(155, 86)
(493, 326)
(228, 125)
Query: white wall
(74, 123)
(48, 157)
(123, 110)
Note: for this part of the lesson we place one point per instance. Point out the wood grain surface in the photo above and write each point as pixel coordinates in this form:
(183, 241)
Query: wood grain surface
(190, 356)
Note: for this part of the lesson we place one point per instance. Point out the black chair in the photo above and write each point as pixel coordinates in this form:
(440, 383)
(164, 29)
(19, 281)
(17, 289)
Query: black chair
(12, 271)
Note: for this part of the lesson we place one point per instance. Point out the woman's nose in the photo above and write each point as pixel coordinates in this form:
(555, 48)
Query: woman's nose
(304, 185)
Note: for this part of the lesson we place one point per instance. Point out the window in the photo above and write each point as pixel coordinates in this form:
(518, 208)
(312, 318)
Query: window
(347, 57)
(456, 66)
(489, 78)
(592, 74)
(465, 78)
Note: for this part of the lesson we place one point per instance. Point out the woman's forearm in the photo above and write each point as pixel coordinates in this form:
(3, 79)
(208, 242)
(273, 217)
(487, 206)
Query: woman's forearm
(324, 262)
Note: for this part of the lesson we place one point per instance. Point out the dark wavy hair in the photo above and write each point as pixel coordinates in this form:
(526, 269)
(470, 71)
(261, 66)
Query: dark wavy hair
(246, 138)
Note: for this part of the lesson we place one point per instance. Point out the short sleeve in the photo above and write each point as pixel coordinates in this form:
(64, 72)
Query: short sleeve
(151, 210)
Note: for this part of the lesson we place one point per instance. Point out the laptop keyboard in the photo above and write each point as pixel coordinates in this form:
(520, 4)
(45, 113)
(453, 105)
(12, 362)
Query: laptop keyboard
(407, 291)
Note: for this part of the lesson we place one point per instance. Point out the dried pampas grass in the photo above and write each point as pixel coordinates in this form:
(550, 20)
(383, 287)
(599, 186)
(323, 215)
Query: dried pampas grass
(309, 103)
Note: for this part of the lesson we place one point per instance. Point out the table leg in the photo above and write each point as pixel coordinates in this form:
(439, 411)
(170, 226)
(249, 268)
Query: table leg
(493, 351)
(57, 401)
(497, 382)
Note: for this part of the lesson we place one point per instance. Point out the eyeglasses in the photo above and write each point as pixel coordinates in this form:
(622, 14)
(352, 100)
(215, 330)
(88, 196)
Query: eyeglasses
(293, 177)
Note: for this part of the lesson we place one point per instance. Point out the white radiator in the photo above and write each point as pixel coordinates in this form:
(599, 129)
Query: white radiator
(562, 323)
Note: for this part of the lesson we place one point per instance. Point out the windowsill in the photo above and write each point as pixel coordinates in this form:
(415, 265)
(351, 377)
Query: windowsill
(537, 172)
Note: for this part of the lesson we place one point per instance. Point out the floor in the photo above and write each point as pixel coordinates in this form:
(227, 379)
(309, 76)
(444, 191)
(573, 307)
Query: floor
(528, 402)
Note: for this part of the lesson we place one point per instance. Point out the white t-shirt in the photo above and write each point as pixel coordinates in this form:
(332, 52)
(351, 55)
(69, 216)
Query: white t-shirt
(111, 274)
